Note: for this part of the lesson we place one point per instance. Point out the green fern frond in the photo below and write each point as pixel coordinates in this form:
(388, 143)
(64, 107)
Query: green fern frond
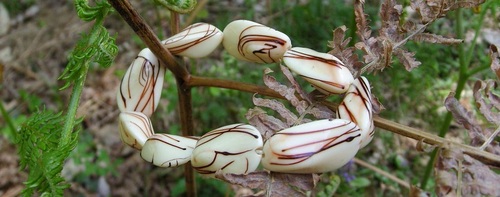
(107, 49)
(90, 13)
(96, 46)
(46, 139)
(41, 153)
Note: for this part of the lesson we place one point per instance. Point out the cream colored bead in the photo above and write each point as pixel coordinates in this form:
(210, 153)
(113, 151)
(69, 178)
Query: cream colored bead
(232, 149)
(195, 41)
(314, 147)
(357, 107)
(140, 87)
(324, 71)
(166, 150)
(253, 42)
(135, 128)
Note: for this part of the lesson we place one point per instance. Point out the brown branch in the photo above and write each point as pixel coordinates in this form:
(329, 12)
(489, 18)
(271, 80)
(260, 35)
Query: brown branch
(187, 128)
(234, 85)
(140, 27)
(483, 156)
(185, 111)
(425, 137)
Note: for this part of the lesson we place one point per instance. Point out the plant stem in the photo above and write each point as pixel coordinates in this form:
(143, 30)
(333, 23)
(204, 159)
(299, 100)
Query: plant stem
(187, 128)
(76, 92)
(74, 101)
(185, 111)
(174, 22)
(234, 85)
(476, 70)
(484, 8)
(8, 120)
(428, 138)
(462, 79)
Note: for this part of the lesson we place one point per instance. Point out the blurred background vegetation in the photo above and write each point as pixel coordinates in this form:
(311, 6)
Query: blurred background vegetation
(411, 98)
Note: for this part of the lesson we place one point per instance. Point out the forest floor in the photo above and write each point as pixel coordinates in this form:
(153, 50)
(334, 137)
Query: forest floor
(33, 53)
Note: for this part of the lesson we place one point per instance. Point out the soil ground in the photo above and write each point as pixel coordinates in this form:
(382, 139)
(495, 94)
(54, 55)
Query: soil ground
(33, 53)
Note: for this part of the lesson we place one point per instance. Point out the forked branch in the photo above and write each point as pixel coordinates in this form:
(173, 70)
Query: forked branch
(142, 29)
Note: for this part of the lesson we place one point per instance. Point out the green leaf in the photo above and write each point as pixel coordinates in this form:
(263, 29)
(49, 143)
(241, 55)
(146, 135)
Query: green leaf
(360, 182)
(89, 13)
(331, 187)
(41, 154)
(96, 46)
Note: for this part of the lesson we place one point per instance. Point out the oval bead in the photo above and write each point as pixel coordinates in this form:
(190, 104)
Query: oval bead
(140, 87)
(314, 147)
(324, 71)
(166, 150)
(195, 41)
(234, 149)
(135, 128)
(357, 107)
(254, 42)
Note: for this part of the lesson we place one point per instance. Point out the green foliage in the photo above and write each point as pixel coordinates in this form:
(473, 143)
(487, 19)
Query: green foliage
(211, 187)
(46, 139)
(179, 188)
(87, 154)
(10, 131)
(32, 101)
(96, 162)
(331, 187)
(89, 13)
(232, 102)
(40, 151)
(96, 46)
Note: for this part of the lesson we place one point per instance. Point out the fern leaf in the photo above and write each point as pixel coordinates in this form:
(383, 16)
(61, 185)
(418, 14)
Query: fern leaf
(96, 46)
(41, 154)
(90, 13)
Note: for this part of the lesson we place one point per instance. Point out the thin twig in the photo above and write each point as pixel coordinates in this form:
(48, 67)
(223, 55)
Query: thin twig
(490, 139)
(426, 137)
(382, 172)
(419, 135)
(234, 85)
